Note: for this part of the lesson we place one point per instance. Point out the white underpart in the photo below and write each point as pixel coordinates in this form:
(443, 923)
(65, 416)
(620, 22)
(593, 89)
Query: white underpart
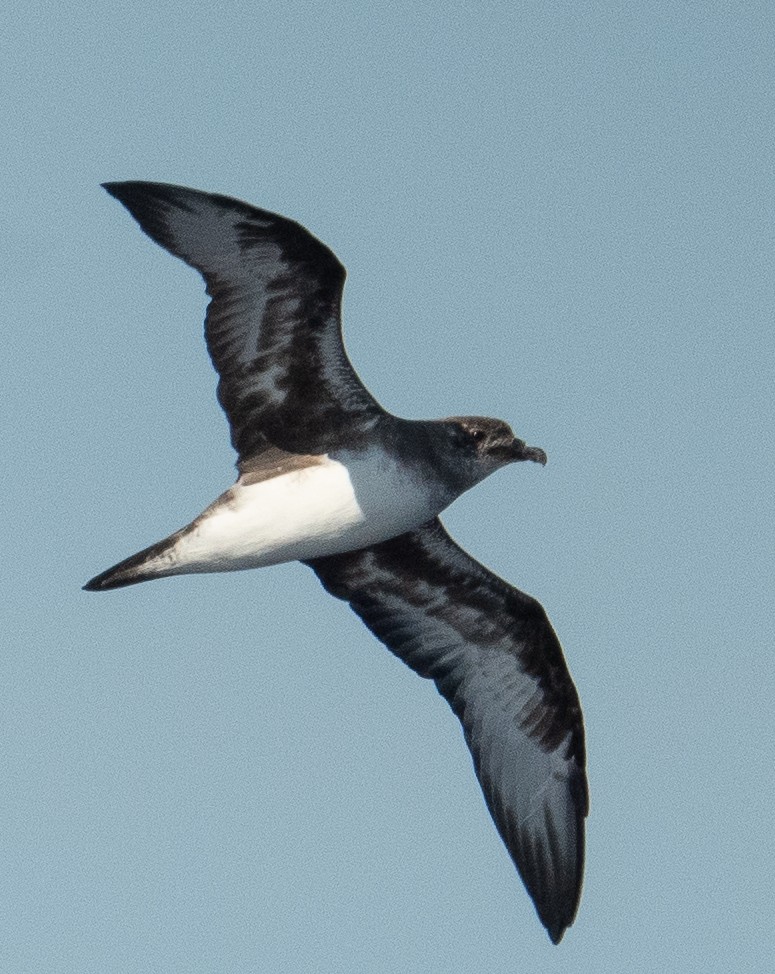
(324, 509)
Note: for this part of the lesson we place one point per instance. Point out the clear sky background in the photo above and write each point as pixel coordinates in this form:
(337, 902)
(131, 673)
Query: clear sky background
(558, 213)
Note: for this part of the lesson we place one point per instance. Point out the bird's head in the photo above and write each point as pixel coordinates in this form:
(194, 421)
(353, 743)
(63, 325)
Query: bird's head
(478, 446)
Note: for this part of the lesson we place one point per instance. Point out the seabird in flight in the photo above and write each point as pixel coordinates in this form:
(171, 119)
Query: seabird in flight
(329, 478)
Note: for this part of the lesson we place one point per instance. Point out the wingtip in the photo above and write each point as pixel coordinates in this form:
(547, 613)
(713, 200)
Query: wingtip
(555, 921)
(114, 188)
(123, 189)
(556, 933)
(557, 918)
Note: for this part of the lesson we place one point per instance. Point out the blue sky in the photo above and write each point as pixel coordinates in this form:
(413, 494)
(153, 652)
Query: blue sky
(556, 213)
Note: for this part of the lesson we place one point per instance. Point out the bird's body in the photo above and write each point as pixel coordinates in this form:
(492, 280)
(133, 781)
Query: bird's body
(300, 514)
(329, 478)
(293, 509)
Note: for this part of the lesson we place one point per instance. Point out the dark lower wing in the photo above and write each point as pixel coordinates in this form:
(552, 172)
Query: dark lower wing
(493, 655)
(273, 325)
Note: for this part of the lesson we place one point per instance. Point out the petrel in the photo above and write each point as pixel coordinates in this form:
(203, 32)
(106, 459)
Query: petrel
(326, 476)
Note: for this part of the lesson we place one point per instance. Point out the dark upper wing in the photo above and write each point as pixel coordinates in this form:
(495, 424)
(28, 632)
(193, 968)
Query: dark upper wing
(273, 326)
(496, 659)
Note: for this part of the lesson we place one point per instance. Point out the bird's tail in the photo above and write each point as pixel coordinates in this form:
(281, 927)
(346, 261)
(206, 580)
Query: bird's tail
(152, 562)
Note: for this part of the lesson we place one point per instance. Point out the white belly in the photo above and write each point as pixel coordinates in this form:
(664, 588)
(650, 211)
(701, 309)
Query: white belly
(320, 510)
